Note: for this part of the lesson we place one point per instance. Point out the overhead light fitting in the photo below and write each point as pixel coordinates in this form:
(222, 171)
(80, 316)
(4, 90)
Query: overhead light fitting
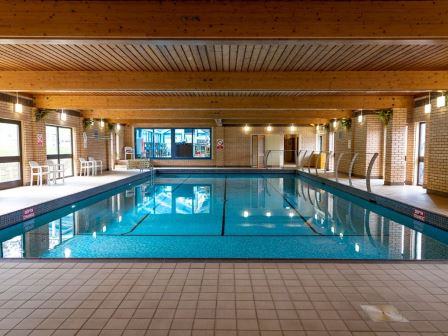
(360, 117)
(18, 108)
(246, 128)
(441, 100)
(102, 123)
(335, 123)
(292, 128)
(63, 115)
(118, 127)
(269, 128)
(428, 106)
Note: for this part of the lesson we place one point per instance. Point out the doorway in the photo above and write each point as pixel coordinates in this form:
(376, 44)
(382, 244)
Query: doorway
(421, 153)
(59, 142)
(10, 154)
(258, 150)
(290, 148)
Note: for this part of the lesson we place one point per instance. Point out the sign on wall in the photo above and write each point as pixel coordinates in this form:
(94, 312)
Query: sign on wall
(219, 144)
(40, 140)
(84, 139)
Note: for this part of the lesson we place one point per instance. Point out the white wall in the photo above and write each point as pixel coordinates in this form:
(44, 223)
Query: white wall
(274, 142)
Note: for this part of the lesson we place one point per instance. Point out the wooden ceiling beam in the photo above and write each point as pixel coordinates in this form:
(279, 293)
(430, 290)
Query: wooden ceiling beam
(100, 81)
(201, 115)
(224, 19)
(212, 123)
(222, 103)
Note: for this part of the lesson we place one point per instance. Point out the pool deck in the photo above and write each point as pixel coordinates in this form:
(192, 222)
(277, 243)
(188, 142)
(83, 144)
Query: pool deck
(19, 204)
(212, 298)
(24, 197)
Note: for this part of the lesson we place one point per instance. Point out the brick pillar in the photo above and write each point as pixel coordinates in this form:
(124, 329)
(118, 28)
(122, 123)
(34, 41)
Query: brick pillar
(367, 139)
(219, 154)
(436, 155)
(395, 164)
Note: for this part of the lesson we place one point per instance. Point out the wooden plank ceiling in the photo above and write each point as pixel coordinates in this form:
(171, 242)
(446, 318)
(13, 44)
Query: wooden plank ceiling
(229, 56)
(228, 37)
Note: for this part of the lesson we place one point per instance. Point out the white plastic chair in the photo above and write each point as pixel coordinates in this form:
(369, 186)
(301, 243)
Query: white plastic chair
(129, 151)
(39, 172)
(96, 164)
(56, 170)
(85, 167)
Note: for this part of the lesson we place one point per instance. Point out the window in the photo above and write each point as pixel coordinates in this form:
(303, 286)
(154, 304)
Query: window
(59, 144)
(176, 143)
(162, 143)
(201, 141)
(183, 142)
(10, 154)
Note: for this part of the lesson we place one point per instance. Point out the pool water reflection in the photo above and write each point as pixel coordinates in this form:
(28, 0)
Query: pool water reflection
(233, 216)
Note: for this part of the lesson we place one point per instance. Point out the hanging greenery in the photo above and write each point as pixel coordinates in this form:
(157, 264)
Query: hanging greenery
(346, 123)
(327, 127)
(385, 115)
(110, 126)
(88, 123)
(40, 113)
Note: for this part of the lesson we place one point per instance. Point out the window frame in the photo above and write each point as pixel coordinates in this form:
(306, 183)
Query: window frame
(173, 130)
(59, 156)
(8, 159)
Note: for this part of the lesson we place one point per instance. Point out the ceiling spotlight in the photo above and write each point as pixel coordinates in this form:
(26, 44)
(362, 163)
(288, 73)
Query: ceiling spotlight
(118, 127)
(335, 123)
(102, 123)
(63, 115)
(246, 128)
(360, 117)
(269, 128)
(18, 108)
(428, 106)
(292, 128)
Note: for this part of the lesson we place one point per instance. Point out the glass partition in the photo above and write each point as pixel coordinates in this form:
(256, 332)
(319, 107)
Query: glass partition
(176, 143)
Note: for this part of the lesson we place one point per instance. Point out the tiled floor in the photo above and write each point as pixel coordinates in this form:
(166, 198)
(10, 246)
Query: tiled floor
(23, 197)
(143, 298)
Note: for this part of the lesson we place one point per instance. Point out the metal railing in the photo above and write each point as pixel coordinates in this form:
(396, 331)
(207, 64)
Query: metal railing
(311, 161)
(280, 152)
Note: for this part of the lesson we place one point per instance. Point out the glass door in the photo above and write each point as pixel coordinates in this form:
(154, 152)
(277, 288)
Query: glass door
(421, 153)
(59, 142)
(10, 154)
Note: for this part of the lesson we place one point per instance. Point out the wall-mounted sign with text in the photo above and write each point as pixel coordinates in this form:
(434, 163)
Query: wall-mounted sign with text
(219, 144)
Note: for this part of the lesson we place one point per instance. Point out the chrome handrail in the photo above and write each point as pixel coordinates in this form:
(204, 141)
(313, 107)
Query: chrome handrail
(338, 157)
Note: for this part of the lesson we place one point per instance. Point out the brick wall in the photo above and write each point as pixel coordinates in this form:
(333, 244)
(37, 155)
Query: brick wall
(342, 138)
(395, 156)
(367, 140)
(436, 165)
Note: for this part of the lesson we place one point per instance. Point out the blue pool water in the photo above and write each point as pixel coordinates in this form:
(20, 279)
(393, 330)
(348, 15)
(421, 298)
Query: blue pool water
(225, 216)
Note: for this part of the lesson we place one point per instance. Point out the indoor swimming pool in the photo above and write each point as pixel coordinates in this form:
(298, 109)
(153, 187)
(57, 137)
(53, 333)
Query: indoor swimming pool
(254, 216)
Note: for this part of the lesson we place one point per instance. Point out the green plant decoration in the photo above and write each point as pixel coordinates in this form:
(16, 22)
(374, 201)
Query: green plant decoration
(385, 116)
(346, 123)
(88, 123)
(40, 114)
(110, 127)
(327, 127)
